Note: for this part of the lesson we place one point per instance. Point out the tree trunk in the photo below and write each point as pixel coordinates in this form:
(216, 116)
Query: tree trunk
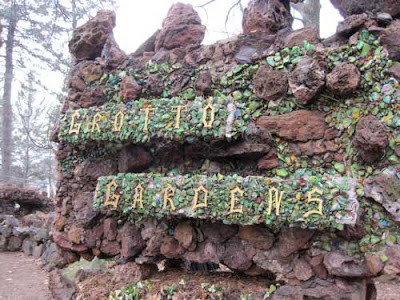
(310, 12)
(6, 144)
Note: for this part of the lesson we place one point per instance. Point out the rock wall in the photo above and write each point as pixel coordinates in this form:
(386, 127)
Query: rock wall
(270, 103)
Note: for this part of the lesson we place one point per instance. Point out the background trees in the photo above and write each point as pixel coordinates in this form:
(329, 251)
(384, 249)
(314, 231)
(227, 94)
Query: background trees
(35, 36)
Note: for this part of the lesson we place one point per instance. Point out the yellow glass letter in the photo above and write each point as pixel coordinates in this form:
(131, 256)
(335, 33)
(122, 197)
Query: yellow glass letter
(278, 200)
(147, 112)
(75, 127)
(311, 199)
(138, 197)
(178, 114)
(196, 198)
(114, 199)
(208, 107)
(169, 193)
(96, 118)
(233, 201)
(119, 118)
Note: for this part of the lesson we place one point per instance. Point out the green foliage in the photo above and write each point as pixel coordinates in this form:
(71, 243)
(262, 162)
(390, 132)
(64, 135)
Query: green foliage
(132, 292)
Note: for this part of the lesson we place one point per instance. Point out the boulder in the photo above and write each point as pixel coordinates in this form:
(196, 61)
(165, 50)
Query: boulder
(89, 39)
(387, 288)
(110, 229)
(306, 80)
(170, 248)
(266, 16)
(218, 232)
(269, 161)
(181, 28)
(83, 210)
(297, 37)
(272, 261)
(238, 255)
(130, 89)
(110, 248)
(91, 169)
(206, 252)
(292, 239)
(14, 243)
(390, 39)
(186, 235)
(344, 79)
(300, 125)
(131, 241)
(394, 70)
(353, 7)
(351, 24)
(318, 267)
(341, 265)
(203, 83)
(385, 189)
(60, 287)
(270, 84)
(370, 139)
(134, 159)
(130, 273)
(392, 266)
(302, 270)
(258, 236)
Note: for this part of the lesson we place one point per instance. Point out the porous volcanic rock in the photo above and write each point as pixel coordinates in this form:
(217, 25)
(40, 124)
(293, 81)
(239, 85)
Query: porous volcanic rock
(270, 84)
(297, 37)
(134, 159)
(238, 255)
(353, 7)
(91, 169)
(131, 241)
(385, 189)
(351, 24)
(345, 266)
(130, 89)
(130, 272)
(203, 83)
(370, 138)
(306, 80)
(185, 235)
(266, 16)
(89, 39)
(344, 79)
(257, 236)
(302, 270)
(181, 28)
(390, 39)
(292, 239)
(300, 125)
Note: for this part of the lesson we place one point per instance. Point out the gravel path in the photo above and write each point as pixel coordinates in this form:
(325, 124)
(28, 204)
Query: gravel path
(21, 278)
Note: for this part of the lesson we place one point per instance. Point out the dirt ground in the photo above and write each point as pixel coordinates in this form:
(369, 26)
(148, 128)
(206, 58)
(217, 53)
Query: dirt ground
(21, 278)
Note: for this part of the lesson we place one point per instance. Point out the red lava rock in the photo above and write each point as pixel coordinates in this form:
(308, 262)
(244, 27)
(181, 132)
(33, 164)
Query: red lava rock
(89, 39)
(300, 125)
(83, 208)
(351, 24)
(270, 84)
(353, 7)
(344, 79)
(181, 28)
(185, 235)
(390, 39)
(267, 16)
(203, 82)
(258, 236)
(318, 267)
(370, 138)
(394, 70)
(238, 255)
(61, 239)
(130, 89)
(76, 83)
(154, 85)
(291, 240)
(110, 229)
(91, 169)
(134, 159)
(297, 37)
(170, 248)
(131, 241)
(206, 252)
(268, 162)
(345, 266)
(302, 270)
(130, 272)
(110, 248)
(306, 80)
(374, 263)
(89, 71)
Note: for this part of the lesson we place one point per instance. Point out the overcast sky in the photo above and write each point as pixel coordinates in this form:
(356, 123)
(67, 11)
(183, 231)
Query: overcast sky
(138, 20)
